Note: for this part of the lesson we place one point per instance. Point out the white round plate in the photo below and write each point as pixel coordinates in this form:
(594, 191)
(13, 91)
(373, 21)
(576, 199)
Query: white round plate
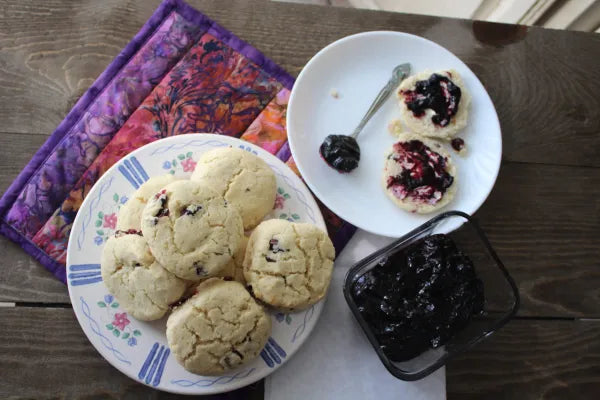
(139, 349)
(357, 67)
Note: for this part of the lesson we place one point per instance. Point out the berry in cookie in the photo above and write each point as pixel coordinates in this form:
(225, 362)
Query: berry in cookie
(191, 230)
(130, 214)
(288, 265)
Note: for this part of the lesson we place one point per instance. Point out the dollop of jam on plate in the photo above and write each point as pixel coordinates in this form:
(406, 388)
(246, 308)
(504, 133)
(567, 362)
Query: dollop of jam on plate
(457, 144)
(423, 177)
(340, 152)
(437, 93)
(420, 297)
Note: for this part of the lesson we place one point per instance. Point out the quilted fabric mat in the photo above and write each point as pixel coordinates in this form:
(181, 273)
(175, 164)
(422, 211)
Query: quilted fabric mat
(182, 73)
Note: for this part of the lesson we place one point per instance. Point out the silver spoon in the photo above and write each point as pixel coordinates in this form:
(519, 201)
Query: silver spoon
(341, 152)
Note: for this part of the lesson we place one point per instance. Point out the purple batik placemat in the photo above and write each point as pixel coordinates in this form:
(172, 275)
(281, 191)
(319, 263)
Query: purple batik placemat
(177, 48)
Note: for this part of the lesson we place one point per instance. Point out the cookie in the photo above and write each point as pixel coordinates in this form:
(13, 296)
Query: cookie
(435, 104)
(418, 174)
(137, 280)
(191, 230)
(242, 178)
(288, 265)
(220, 328)
(130, 213)
(234, 270)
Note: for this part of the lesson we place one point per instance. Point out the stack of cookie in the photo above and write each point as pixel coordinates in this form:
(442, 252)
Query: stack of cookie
(419, 175)
(181, 247)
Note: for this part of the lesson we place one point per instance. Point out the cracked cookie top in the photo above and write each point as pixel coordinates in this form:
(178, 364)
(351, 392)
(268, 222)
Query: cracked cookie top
(233, 271)
(219, 328)
(243, 179)
(288, 265)
(130, 215)
(191, 230)
(139, 282)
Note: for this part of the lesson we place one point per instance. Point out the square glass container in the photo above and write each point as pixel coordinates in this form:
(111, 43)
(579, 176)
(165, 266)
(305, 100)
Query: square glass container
(500, 292)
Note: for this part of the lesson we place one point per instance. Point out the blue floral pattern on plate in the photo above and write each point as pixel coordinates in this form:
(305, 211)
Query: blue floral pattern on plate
(130, 344)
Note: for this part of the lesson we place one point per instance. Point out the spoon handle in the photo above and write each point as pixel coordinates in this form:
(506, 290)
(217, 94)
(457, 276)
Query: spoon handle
(400, 72)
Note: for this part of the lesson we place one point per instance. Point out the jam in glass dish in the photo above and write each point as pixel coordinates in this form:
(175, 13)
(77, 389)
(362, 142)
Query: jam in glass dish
(397, 295)
(419, 297)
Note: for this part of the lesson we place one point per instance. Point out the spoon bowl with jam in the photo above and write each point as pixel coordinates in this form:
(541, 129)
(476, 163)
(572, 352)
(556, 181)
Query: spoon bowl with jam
(341, 152)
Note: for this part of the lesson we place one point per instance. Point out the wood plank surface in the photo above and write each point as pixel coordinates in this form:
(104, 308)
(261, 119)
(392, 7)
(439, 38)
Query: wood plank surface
(543, 221)
(45, 355)
(15, 152)
(543, 216)
(22, 279)
(541, 81)
(524, 360)
(530, 360)
(292, 51)
(545, 233)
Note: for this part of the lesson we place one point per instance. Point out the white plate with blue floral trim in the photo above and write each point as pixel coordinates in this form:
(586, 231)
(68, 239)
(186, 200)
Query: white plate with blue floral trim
(139, 349)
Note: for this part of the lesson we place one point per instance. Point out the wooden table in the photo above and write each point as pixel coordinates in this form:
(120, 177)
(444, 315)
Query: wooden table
(543, 216)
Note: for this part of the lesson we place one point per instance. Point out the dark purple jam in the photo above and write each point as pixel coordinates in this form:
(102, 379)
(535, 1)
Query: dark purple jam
(200, 271)
(424, 176)
(120, 233)
(437, 93)
(340, 152)
(457, 144)
(186, 296)
(162, 197)
(274, 246)
(178, 302)
(192, 209)
(162, 193)
(419, 297)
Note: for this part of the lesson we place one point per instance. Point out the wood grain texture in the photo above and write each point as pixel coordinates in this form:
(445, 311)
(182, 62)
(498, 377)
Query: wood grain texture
(543, 216)
(530, 360)
(542, 81)
(51, 52)
(544, 221)
(22, 279)
(546, 234)
(15, 152)
(524, 360)
(45, 355)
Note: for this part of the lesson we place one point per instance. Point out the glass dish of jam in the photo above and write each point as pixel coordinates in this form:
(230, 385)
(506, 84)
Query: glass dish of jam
(430, 296)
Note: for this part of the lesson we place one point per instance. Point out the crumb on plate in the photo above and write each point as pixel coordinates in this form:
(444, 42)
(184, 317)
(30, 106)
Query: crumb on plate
(395, 127)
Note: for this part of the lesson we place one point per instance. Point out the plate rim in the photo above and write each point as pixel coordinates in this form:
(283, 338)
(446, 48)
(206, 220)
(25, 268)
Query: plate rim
(320, 222)
(341, 41)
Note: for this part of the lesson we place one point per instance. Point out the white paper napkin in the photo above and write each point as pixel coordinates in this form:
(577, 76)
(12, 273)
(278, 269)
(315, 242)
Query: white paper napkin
(337, 361)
